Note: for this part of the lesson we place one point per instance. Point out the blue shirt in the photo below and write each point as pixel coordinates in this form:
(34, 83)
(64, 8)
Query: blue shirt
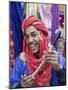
(20, 69)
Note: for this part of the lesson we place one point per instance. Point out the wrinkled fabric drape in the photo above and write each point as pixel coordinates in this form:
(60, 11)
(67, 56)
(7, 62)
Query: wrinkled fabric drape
(16, 16)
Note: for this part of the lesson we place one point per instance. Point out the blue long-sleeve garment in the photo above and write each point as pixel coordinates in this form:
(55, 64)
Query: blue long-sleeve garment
(20, 69)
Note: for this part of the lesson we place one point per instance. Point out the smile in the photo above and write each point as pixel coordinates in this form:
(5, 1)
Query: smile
(33, 47)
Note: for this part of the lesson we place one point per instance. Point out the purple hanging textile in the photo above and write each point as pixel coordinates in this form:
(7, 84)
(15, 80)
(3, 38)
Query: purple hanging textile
(55, 21)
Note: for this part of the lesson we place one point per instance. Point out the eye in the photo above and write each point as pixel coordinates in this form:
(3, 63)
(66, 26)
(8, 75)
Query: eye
(34, 35)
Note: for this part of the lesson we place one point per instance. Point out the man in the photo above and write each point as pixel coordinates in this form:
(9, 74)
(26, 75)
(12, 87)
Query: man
(35, 50)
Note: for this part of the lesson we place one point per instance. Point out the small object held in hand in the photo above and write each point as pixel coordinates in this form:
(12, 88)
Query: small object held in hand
(50, 46)
(39, 68)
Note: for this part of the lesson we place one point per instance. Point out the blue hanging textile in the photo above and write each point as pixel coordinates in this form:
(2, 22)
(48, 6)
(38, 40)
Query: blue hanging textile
(16, 17)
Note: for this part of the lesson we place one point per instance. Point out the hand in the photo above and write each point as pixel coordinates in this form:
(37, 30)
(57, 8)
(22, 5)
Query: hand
(27, 81)
(52, 57)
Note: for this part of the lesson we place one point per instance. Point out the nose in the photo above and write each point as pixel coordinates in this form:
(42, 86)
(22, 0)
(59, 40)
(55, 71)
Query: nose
(30, 40)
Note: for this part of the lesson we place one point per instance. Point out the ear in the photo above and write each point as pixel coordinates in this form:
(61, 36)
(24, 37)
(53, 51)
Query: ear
(22, 30)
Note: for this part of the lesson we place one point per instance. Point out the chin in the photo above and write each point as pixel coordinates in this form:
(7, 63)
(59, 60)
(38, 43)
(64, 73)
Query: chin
(35, 51)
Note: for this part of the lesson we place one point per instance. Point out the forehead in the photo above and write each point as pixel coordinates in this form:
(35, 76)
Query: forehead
(31, 29)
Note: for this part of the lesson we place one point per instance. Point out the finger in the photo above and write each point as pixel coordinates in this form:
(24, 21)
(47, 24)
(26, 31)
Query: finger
(22, 76)
(51, 58)
(51, 55)
(44, 52)
(52, 47)
(52, 52)
(27, 84)
(26, 77)
(28, 80)
(52, 62)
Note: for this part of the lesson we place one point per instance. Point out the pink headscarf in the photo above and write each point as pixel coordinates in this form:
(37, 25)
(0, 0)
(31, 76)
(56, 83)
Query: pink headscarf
(44, 76)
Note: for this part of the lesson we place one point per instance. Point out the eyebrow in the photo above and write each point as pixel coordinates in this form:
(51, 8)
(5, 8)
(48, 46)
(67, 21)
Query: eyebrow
(30, 33)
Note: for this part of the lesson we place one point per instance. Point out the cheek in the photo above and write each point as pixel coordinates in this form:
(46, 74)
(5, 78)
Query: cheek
(37, 38)
(37, 41)
(26, 42)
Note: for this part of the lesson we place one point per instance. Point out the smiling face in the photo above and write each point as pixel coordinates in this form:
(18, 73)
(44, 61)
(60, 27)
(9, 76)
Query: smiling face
(32, 39)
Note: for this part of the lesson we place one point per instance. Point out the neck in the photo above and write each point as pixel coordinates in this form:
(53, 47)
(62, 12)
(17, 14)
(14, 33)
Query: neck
(37, 55)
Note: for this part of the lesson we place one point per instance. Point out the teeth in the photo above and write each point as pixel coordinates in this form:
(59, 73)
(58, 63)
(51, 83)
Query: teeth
(32, 45)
